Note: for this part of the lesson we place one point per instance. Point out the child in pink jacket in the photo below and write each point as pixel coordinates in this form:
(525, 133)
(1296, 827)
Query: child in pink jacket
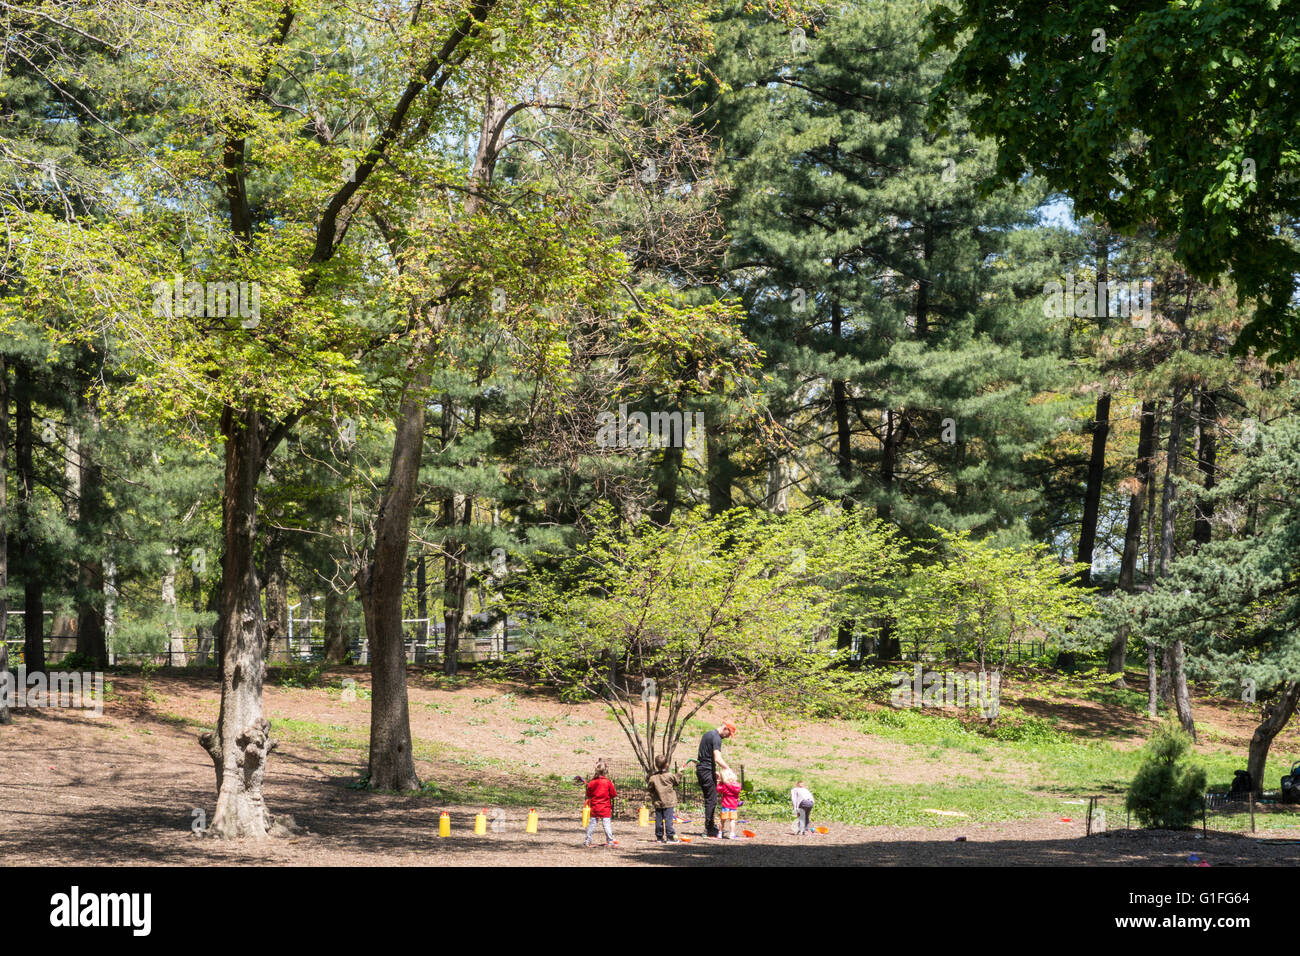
(729, 797)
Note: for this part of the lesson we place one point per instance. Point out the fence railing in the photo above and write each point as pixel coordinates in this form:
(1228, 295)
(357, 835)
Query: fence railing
(301, 648)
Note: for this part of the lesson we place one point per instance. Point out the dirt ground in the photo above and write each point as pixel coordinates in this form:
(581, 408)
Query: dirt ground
(123, 788)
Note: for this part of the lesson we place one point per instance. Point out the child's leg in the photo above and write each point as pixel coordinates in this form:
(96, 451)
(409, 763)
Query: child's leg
(669, 812)
(591, 828)
(608, 823)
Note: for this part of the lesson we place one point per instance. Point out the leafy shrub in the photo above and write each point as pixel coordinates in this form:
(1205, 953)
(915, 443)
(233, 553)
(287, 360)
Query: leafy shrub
(76, 662)
(1167, 790)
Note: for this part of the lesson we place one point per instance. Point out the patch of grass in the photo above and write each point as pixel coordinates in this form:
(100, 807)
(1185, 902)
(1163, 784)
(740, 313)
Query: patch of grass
(906, 805)
(326, 736)
(514, 794)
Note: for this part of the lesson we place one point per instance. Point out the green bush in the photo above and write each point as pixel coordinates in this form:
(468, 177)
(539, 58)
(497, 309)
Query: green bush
(1167, 791)
(76, 662)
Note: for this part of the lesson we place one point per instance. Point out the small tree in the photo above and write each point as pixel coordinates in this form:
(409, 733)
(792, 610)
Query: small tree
(1167, 791)
(658, 621)
(979, 597)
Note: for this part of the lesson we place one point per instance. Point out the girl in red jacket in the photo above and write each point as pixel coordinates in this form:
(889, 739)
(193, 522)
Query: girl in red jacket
(729, 797)
(600, 797)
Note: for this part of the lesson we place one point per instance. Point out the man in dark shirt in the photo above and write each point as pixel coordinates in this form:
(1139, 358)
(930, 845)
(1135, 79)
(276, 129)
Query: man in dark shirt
(707, 765)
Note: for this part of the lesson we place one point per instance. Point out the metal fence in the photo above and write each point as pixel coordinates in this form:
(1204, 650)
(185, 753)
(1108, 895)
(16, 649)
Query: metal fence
(1229, 812)
(301, 648)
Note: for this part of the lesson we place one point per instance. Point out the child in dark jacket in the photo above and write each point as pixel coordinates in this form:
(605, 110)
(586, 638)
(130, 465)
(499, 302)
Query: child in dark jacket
(600, 797)
(663, 794)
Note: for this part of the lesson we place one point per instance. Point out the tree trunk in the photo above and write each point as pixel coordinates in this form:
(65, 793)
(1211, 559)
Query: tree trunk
(90, 574)
(455, 579)
(392, 765)
(777, 499)
(720, 468)
(1276, 715)
(1206, 461)
(33, 576)
(1092, 492)
(336, 637)
(275, 591)
(1133, 534)
(241, 744)
(204, 632)
(670, 470)
(1152, 697)
(175, 635)
(1168, 514)
(4, 535)
(888, 464)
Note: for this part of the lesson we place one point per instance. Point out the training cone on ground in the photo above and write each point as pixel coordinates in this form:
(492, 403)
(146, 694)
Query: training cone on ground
(531, 825)
(480, 823)
(644, 819)
(444, 824)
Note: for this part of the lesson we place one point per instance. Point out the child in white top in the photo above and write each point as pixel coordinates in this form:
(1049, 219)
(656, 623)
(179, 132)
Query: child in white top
(802, 799)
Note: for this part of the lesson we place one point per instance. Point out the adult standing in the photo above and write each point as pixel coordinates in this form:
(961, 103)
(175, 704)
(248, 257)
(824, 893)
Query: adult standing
(707, 764)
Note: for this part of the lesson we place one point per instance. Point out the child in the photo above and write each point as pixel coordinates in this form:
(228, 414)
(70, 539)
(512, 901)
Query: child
(663, 794)
(600, 797)
(729, 797)
(802, 799)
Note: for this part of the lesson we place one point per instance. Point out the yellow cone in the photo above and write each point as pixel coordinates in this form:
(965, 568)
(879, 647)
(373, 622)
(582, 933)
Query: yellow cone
(480, 823)
(645, 816)
(586, 815)
(531, 826)
(444, 824)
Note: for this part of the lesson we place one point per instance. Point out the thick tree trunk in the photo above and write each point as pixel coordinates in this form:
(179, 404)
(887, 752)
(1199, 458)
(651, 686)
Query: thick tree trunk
(1168, 514)
(392, 765)
(1276, 715)
(1133, 533)
(5, 718)
(241, 744)
(336, 636)
(33, 576)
